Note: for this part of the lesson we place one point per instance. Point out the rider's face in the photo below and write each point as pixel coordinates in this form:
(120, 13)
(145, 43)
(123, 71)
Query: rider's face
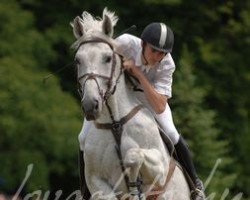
(152, 55)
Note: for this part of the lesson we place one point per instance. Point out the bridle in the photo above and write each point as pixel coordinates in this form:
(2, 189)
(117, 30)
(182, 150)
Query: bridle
(94, 76)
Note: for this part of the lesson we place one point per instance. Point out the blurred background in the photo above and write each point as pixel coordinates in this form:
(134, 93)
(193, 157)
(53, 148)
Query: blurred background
(40, 121)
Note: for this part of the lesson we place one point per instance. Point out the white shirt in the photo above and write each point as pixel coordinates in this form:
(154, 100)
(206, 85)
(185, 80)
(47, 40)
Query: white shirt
(160, 75)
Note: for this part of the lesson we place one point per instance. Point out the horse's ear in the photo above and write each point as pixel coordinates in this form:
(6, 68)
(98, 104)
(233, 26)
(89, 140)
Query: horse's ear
(78, 29)
(107, 26)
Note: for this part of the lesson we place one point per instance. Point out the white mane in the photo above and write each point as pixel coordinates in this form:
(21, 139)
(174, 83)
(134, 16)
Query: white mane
(93, 26)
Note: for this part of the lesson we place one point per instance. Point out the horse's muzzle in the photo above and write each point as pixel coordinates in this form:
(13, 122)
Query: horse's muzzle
(91, 109)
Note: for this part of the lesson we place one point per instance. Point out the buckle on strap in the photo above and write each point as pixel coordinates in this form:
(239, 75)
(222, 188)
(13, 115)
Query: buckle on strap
(116, 126)
(137, 183)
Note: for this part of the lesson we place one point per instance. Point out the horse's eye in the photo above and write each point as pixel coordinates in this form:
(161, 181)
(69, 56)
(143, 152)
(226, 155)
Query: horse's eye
(107, 59)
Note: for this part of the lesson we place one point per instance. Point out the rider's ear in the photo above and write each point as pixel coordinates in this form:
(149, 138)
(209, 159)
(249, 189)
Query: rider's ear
(78, 29)
(107, 26)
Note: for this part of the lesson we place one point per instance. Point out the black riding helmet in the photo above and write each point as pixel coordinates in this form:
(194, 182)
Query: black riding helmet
(159, 36)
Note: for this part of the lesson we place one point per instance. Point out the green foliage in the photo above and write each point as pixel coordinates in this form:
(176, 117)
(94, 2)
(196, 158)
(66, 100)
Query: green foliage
(17, 33)
(225, 73)
(38, 125)
(197, 124)
(39, 122)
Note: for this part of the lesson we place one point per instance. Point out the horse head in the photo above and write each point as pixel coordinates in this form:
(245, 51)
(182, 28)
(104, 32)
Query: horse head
(98, 66)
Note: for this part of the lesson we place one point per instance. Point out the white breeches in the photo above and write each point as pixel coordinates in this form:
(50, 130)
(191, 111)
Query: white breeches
(164, 119)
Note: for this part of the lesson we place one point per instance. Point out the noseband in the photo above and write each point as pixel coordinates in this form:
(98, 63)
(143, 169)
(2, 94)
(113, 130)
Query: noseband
(95, 76)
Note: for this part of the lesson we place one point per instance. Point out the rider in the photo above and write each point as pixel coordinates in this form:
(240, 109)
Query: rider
(149, 60)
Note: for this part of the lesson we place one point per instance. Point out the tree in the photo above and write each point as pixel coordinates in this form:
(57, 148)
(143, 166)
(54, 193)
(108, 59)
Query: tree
(225, 74)
(39, 122)
(197, 124)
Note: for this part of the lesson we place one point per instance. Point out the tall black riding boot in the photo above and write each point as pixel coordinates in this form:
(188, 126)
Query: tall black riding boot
(83, 185)
(185, 160)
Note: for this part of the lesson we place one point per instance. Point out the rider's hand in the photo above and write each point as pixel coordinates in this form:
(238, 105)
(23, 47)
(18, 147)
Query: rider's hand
(129, 65)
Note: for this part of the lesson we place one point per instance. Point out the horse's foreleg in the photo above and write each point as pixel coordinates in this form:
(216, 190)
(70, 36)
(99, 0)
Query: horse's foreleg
(133, 161)
(100, 190)
(154, 167)
(149, 162)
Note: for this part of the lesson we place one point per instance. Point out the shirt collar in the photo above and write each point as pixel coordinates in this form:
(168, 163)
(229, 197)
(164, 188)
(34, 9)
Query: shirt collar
(138, 62)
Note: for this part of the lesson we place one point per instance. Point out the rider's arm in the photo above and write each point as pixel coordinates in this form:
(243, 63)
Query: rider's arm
(157, 101)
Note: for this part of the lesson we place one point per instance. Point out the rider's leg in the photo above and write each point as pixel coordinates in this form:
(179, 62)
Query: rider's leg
(83, 186)
(165, 120)
(184, 157)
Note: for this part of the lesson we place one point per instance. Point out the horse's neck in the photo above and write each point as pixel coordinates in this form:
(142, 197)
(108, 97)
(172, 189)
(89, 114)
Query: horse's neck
(121, 102)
